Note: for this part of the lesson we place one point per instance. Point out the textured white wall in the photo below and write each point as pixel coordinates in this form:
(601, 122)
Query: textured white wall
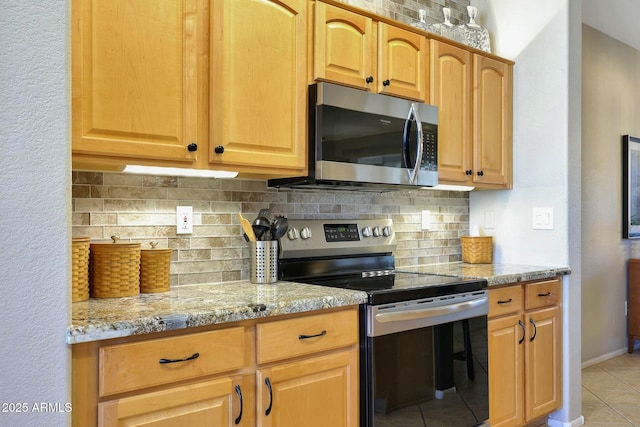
(34, 212)
(543, 38)
(610, 110)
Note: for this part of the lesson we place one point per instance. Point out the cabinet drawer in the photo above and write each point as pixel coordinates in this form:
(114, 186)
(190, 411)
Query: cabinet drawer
(305, 335)
(505, 300)
(543, 294)
(125, 367)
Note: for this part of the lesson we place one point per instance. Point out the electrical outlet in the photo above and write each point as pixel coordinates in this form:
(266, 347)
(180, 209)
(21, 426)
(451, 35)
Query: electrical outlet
(184, 219)
(426, 220)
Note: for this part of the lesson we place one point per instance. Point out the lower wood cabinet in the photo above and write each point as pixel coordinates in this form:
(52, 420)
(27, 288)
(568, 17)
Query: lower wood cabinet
(316, 392)
(525, 352)
(633, 296)
(202, 404)
(296, 370)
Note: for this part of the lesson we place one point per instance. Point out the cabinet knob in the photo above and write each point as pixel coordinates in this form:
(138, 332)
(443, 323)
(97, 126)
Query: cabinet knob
(192, 147)
(480, 173)
(219, 149)
(386, 83)
(468, 172)
(369, 79)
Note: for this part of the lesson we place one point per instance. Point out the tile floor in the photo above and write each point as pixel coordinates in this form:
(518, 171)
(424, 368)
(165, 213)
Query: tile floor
(611, 392)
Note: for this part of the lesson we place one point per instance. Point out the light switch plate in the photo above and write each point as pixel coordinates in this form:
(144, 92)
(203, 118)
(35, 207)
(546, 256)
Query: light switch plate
(543, 218)
(489, 220)
(184, 219)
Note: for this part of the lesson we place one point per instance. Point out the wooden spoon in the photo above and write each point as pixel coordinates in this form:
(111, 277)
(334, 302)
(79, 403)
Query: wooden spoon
(246, 227)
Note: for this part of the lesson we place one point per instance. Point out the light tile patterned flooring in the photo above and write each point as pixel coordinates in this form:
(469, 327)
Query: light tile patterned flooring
(611, 392)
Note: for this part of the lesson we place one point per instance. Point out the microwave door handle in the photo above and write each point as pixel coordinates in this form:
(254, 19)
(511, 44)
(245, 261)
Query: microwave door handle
(413, 112)
(406, 151)
(420, 141)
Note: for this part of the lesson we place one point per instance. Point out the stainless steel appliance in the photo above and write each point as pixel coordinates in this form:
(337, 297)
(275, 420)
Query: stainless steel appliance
(362, 140)
(423, 340)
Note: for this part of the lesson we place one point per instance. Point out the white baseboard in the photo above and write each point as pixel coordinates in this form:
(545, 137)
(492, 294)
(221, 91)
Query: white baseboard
(575, 423)
(607, 356)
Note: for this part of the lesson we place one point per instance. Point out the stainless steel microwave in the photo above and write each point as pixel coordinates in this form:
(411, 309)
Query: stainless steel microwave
(363, 140)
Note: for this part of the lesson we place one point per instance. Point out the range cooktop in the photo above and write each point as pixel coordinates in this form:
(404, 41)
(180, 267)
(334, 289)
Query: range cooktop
(358, 254)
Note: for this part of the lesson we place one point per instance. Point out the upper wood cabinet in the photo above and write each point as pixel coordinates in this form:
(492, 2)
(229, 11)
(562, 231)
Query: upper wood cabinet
(258, 86)
(135, 79)
(175, 85)
(403, 63)
(474, 96)
(344, 46)
(354, 50)
(492, 122)
(451, 75)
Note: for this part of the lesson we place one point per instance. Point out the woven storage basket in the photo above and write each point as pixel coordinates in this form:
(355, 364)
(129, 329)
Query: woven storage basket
(154, 269)
(115, 269)
(477, 249)
(80, 269)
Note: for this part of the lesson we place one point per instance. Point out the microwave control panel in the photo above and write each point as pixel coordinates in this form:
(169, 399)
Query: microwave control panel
(430, 153)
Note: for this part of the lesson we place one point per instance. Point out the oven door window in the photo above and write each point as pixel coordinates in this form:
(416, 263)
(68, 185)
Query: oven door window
(421, 377)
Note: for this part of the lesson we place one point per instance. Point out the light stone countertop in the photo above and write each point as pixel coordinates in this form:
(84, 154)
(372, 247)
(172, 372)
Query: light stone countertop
(208, 304)
(199, 305)
(495, 274)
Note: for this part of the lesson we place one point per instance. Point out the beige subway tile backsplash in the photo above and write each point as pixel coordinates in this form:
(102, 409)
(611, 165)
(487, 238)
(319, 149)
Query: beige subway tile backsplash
(142, 209)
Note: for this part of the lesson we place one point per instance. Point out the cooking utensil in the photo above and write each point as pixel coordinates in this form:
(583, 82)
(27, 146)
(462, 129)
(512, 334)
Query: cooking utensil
(279, 227)
(261, 225)
(266, 213)
(246, 227)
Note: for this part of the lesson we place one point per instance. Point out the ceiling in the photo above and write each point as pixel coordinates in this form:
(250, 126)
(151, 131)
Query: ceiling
(617, 18)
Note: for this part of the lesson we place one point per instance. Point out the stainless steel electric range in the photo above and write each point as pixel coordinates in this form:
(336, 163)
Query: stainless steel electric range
(423, 339)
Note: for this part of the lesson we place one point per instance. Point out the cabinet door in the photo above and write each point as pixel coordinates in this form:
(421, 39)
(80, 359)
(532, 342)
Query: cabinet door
(316, 392)
(135, 79)
(211, 403)
(344, 47)
(258, 88)
(543, 358)
(451, 76)
(506, 366)
(492, 118)
(403, 63)
(633, 292)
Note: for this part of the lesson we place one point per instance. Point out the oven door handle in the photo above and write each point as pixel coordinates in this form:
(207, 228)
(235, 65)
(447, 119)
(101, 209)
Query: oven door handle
(400, 316)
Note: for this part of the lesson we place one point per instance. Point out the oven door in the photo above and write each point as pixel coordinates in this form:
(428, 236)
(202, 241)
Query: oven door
(429, 374)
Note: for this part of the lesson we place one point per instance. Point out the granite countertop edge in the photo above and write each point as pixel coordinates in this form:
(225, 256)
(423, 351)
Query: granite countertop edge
(494, 274)
(191, 306)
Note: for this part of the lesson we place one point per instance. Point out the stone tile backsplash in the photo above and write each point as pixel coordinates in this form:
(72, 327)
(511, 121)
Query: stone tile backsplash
(406, 11)
(143, 209)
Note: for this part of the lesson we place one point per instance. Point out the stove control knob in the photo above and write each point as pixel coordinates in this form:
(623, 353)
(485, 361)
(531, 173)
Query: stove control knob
(386, 231)
(305, 233)
(376, 231)
(366, 232)
(292, 233)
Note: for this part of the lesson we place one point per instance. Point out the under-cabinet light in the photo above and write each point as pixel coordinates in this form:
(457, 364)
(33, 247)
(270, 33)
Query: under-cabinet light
(157, 170)
(447, 187)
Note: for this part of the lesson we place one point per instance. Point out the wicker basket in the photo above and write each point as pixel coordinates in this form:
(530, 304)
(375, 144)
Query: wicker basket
(115, 269)
(80, 269)
(154, 269)
(477, 249)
